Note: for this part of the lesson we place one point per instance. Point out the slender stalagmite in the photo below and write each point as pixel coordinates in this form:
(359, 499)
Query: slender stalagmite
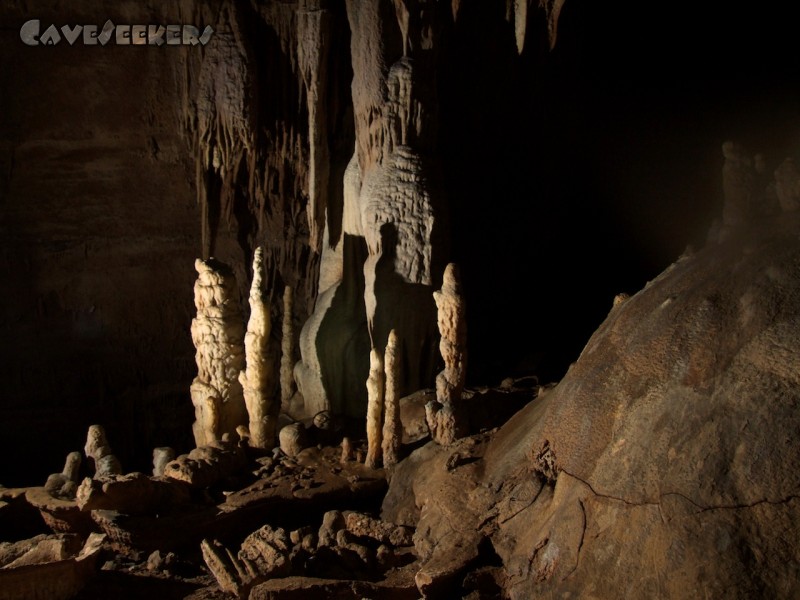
(392, 427)
(287, 351)
(375, 390)
(258, 379)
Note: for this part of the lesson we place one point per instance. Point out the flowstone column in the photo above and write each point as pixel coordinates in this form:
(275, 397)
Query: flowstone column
(218, 336)
(446, 419)
(258, 380)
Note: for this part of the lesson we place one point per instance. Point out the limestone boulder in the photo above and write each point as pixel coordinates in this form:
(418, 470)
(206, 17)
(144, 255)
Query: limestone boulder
(663, 465)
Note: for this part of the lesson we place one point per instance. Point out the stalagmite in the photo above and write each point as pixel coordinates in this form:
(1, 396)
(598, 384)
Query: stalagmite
(347, 450)
(392, 426)
(375, 391)
(218, 335)
(65, 484)
(258, 380)
(445, 417)
(161, 456)
(98, 449)
(287, 350)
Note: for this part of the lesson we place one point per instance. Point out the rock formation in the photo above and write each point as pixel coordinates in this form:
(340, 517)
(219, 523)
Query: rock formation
(98, 450)
(376, 386)
(65, 484)
(392, 425)
(293, 439)
(206, 465)
(446, 418)
(288, 387)
(218, 336)
(258, 384)
(661, 436)
(162, 456)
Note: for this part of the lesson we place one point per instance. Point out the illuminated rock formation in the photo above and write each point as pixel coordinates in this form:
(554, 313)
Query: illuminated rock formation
(392, 425)
(258, 385)
(218, 336)
(98, 449)
(376, 383)
(445, 419)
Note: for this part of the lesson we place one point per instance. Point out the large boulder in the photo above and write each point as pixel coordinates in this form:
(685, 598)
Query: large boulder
(664, 464)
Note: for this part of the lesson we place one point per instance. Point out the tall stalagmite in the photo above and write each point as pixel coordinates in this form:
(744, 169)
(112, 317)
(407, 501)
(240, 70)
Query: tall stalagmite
(218, 336)
(258, 380)
(376, 383)
(392, 426)
(445, 418)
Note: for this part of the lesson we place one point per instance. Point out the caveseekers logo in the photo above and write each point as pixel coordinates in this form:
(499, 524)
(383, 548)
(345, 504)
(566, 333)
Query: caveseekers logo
(123, 35)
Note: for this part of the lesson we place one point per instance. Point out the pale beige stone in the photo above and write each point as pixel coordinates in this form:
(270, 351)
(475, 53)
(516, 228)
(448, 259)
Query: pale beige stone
(218, 336)
(258, 379)
(445, 417)
(162, 456)
(392, 425)
(376, 383)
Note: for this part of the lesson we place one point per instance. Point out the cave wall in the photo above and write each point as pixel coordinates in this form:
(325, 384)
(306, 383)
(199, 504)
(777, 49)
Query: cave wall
(99, 227)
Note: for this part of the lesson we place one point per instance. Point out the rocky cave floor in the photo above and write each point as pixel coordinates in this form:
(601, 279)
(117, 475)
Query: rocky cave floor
(260, 525)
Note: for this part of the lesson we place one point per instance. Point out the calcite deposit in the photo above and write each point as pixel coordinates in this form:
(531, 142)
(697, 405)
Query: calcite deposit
(218, 335)
(392, 433)
(446, 418)
(258, 379)
(376, 388)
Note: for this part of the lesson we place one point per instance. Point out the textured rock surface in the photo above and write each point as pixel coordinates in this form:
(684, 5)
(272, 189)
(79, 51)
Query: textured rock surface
(671, 440)
(218, 335)
(258, 380)
(392, 435)
(206, 465)
(447, 419)
(376, 388)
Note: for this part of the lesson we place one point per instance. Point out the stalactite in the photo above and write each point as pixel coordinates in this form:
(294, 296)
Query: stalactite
(552, 9)
(520, 23)
(313, 42)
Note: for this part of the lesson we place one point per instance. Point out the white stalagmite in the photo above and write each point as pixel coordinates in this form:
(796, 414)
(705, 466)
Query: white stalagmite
(218, 336)
(445, 418)
(376, 383)
(392, 426)
(257, 379)
(287, 350)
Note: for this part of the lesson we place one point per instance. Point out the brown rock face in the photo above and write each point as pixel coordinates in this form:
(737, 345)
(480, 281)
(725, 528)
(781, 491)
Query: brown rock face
(663, 465)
